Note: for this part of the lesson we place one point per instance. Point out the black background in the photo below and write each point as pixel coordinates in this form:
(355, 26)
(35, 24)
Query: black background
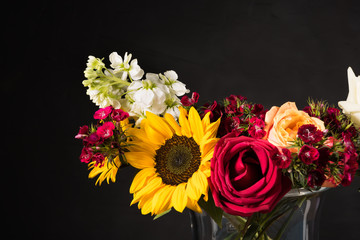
(269, 51)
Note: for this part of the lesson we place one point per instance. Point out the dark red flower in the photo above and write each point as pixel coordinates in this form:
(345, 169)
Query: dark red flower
(256, 128)
(282, 159)
(83, 132)
(102, 113)
(187, 102)
(310, 134)
(308, 154)
(93, 138)
(119, 115)
(315, 178)
(99, 159)
(86, 155)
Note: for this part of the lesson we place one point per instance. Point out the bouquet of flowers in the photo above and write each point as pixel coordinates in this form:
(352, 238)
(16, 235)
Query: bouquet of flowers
(232, 158)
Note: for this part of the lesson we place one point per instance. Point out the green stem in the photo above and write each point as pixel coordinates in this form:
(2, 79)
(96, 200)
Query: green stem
(282, 229)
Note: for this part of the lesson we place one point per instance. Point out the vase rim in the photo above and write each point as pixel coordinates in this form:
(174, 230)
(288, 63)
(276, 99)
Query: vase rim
(297, 192)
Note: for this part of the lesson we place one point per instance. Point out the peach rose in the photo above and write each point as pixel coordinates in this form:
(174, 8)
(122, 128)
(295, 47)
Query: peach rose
(282, 124)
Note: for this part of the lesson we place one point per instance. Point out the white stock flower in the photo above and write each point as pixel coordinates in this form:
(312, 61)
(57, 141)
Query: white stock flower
(170, 80)
(93, 65)
(123, 67)
(351, 106)
(146, 95)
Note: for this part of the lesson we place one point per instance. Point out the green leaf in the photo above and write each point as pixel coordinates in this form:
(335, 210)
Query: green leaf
(161, 214)
(251, 231)
(213, 211)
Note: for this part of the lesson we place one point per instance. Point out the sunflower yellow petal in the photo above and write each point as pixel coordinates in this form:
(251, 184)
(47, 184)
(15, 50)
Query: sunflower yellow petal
(196, 185)
(152, 185)
(141, 178)
(193, 205)
(160, 125)
(139, 160)
(211, 130)
(179, 198)
(208, 145)
(196, 125)
(206, 120)
(184, 123)
(139, 136)
(154, 136)
(171, 121)
(162, 199)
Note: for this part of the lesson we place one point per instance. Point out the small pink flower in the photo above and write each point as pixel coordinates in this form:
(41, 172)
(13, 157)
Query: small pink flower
(83, 132)
(282, 159)
(102, 113)
(310, 134)
(86, 155)
(106, 130)
(308, 154)
(119, 115)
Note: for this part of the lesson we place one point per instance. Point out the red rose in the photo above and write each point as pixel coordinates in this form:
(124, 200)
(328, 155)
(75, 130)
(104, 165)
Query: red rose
(244, 178)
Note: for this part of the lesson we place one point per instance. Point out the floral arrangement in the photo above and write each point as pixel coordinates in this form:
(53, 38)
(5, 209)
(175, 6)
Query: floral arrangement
(229, 158)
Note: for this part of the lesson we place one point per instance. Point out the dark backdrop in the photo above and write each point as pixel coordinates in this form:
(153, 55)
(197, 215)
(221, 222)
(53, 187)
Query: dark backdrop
(269, 51)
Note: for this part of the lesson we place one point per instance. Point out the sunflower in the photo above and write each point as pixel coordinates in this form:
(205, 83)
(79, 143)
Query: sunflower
(174, 160)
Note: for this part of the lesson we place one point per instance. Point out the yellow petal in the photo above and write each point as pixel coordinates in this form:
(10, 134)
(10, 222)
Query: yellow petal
(171, 121)
(184, 123)
(211, 130)
(206, 120)
(139, 136)
(195, 186)
(141, 178)
(159, 124)
(208, 145)
(154, 136)
(151, 187)
(179, 198)
(193, 205)
(196, 125)
(162, 199)
(139, 160)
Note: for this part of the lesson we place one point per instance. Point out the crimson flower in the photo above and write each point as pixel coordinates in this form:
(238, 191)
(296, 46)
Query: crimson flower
(86, 155)
(310, 134)
(119, 115)
(282, 159)
(315, 178)
(256, 129)
(83, 132)
(106, 130)
(187, 102)
(102, 113)
(308, 154)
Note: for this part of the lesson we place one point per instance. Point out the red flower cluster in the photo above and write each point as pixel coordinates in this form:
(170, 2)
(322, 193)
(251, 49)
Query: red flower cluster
(102, 141)
(242, 117)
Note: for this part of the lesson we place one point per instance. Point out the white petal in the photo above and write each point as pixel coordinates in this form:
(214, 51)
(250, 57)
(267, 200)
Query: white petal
(172, 75)
(115, 59)
(354, 87)
(179, 88)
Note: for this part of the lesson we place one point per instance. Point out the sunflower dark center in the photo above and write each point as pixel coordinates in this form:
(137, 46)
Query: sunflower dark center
(177, 159)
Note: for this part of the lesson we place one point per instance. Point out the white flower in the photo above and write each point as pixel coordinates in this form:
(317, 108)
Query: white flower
(146, 95)
(351, 106)
(125, 67)
(176, 87)
(93, 66)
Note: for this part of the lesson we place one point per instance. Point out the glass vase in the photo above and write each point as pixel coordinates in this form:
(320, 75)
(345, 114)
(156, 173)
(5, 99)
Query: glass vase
(296, 217)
